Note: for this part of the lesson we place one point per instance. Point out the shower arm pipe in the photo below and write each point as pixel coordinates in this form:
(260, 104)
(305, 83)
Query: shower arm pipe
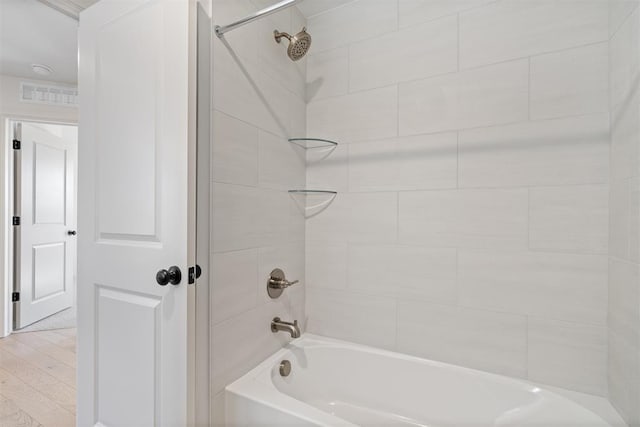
(221, 29)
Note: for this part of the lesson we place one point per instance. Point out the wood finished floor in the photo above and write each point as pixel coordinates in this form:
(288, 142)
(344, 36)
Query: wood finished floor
(38, 379)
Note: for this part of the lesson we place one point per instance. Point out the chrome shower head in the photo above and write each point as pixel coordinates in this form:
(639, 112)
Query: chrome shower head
(298, 45)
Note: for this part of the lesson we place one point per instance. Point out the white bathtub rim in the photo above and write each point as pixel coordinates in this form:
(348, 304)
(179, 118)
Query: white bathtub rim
(251, 387)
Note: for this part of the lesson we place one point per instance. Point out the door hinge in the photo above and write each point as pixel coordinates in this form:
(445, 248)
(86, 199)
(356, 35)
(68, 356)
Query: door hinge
(15, 297)
(194, 273)
(15, 220)
(16, 144)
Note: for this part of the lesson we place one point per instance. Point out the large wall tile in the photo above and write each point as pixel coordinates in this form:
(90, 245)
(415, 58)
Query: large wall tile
(397, 57)
(624, 295)
(242, 40)
(625, 59)
(234, 94)
(234, 279)
(235, 151)
(357, 217)
(485, 96)
(328, 168)
(236, 226)
(624, 378)
(412, 12)
(278, 219)
(359, 116)
(505, 30)
(358, 20)
(571, 219)
(478, 339)
(550, 152)
(409, 163)
(467, 219)
(548, 285)
(326, 264)
(625, 139)
(619, 11)
(327, 73)
(311, 8)
(355, 317)
(569, 355)
(620, 220)
(242, 90)
(280, 164)
(570, 82)
(409, 272)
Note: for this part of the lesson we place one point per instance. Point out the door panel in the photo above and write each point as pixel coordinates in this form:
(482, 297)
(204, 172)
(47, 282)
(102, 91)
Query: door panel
(127, 393)
(49, 166)
(128, 200)
(135, 212)
(47, 212)
(48, 270)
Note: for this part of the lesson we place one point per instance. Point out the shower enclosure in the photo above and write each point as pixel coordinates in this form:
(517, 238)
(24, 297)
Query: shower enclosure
(449, 180)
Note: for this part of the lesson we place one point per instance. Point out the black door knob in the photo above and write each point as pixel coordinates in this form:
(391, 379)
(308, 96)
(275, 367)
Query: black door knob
(173, 276)
(72, 232)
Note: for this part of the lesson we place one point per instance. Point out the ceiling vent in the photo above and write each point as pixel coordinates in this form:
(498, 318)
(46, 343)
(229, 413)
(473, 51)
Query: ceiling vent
(46, 94)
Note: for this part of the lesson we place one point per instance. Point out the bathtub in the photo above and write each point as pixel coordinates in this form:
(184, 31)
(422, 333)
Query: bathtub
(335, 383)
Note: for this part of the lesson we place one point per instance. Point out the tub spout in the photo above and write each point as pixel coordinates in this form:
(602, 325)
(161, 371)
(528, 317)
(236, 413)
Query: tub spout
(280, 325)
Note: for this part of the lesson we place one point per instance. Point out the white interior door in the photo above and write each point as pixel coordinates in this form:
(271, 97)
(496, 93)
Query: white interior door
(46, 234)
(136, 216)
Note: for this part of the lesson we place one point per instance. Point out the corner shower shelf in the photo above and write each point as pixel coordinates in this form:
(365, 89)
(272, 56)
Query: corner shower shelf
(310, 143)
(312, 192)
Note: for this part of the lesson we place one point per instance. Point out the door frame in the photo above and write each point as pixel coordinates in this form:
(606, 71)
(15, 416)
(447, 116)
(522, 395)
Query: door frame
(7, 315)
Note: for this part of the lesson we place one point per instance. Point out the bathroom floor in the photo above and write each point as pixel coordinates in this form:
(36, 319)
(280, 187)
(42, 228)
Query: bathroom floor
(38, 379)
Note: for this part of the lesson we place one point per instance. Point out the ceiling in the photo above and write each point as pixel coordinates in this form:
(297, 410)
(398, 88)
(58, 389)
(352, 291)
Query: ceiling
(32, 32)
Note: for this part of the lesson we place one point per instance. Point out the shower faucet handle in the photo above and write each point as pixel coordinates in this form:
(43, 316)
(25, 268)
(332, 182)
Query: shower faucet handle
(278, 283)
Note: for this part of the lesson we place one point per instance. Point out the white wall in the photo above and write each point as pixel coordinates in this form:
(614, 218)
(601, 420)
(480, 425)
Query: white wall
(258, 102)
(624, 243)
(473, 167)
(12, 107)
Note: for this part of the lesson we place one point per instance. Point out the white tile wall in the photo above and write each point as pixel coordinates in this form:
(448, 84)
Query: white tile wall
(624, 218)
(355, 21)
(235, 152)
(512, 29)
(343, 119)
(356, 317)
(403, 271)
(624, 60)
(550, 152)
(548, 285)
(554, 348)
(569, 219)
(258, 102)
(408, 163)
(412, 12)
(234, 278)
(464, 218)
(445, 331)
(471, 224)
(374, 62)
(357, 217)
(570, 83)
(327, 73)
(485, 96)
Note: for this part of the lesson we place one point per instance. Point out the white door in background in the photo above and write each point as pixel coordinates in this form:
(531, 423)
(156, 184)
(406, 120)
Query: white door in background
(136, 214)
(46, 235)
